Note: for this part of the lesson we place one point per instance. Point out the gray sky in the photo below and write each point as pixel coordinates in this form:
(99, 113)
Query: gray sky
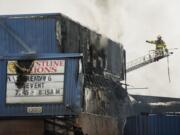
(130, 22)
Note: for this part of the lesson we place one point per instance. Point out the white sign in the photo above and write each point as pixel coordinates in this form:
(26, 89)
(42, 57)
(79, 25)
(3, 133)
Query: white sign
(44, 83)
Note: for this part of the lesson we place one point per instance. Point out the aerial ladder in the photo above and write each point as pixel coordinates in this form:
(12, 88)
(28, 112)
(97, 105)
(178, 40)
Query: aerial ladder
(151, 57)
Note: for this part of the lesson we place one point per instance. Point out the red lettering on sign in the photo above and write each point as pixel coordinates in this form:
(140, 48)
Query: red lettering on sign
(47, 66)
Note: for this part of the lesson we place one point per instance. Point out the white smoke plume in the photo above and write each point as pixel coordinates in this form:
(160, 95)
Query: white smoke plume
(103, 16)
(128, 21)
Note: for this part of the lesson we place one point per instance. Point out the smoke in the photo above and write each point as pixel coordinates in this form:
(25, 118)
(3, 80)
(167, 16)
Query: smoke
(127, 21)
(102, 16)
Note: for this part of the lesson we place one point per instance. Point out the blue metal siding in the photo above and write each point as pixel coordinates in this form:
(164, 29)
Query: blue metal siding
(70, 89)
(153, 125)
(39, 33)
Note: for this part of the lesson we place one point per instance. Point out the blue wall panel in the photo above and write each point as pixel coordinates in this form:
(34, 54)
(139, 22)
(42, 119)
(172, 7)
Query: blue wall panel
(153, 125)
(39, 33)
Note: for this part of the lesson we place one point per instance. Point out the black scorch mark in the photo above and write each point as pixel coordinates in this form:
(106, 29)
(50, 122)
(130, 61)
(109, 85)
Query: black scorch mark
(23, 68)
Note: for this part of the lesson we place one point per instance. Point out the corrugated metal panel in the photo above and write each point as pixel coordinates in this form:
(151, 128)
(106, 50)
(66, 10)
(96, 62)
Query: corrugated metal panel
(71, 89)
(153, 125)
(37, 32)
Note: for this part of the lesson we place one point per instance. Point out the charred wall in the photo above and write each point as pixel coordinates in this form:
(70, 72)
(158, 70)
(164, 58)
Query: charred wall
(102, 95)
(97, 124)
(99, 53)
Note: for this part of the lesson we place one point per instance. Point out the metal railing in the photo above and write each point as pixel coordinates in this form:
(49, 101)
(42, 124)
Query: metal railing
(152, 56)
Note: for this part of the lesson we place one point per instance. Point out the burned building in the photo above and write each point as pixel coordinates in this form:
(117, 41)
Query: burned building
(90, 88)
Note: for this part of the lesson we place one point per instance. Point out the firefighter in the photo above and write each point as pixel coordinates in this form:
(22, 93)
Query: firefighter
(160, 47)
